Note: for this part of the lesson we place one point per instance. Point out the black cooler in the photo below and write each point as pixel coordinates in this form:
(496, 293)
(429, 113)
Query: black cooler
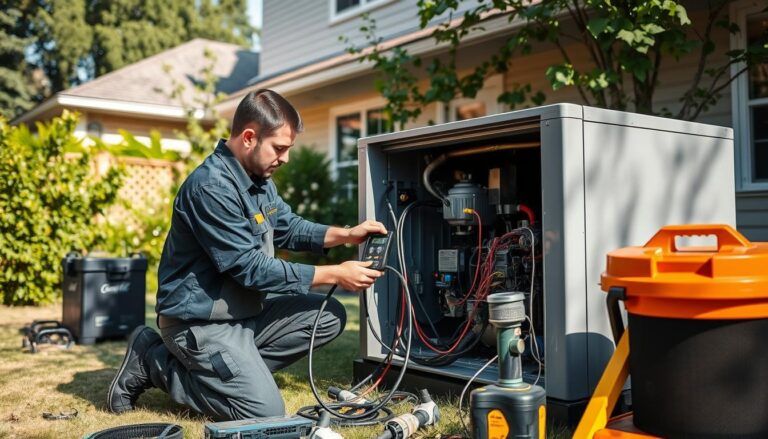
(103, 297)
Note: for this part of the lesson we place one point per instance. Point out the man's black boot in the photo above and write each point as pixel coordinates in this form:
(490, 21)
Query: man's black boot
(133, 376)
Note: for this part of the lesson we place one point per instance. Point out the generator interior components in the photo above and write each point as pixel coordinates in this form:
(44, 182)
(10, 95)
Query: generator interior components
(103, 297)
(528, 201)
(511, 407)
(46, 332)
(692, 313)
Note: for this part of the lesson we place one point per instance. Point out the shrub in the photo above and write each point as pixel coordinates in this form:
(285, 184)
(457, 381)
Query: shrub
(143, 226)
(48, 204)
(305, 183)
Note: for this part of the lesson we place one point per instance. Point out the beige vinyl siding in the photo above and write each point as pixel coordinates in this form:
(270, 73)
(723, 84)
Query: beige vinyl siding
(295, 33)
(113, 123)
(316, 128)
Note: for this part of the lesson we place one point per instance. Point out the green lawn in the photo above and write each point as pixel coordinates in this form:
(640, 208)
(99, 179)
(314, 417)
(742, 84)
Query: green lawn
(58, 380)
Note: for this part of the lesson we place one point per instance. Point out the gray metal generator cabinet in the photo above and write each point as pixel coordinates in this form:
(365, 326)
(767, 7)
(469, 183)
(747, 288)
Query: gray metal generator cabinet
(597, 180)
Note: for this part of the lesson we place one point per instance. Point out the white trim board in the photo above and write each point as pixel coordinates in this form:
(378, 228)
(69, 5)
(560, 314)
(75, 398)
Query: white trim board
(108, 105)
(739, 100)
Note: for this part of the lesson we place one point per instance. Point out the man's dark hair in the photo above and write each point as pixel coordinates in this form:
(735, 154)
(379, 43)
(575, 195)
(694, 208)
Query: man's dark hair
(268, 111)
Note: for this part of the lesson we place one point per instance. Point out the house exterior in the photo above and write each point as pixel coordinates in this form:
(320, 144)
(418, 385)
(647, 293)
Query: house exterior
(137, 97)
(303, 58)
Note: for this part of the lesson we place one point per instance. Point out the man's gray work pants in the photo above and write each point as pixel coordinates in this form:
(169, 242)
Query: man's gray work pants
(224, 369)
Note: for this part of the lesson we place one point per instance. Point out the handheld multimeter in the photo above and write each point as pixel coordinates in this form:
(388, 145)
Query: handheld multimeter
(376, 250)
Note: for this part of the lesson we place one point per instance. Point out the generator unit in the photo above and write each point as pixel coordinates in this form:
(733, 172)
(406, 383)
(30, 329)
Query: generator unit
(528, 202)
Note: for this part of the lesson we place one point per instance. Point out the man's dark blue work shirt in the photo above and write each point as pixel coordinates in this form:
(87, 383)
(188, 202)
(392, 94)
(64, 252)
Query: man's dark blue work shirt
(218, 260)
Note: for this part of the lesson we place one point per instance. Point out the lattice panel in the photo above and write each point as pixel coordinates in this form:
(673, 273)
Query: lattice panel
(147, 182)
(145, 186)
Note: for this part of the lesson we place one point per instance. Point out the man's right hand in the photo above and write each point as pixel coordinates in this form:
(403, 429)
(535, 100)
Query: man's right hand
(355, 276)
(350, 275)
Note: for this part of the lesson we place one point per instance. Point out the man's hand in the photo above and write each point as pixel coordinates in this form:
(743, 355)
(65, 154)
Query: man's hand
(355, 235)
(358, 233)
(350, 275)
(354, 276)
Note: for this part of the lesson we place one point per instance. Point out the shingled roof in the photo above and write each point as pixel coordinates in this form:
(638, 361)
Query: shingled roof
(147, 81)
(143, 88)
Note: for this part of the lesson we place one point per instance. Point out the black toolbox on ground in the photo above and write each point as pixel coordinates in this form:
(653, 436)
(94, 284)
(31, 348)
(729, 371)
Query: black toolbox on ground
(103, 297)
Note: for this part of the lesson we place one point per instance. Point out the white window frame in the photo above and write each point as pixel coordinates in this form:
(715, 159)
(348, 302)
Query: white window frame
(362, 108)
(365, 6)
(489, 94)
(740, 102)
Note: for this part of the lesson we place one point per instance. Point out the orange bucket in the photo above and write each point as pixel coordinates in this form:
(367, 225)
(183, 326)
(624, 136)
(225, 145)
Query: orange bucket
(699, 338)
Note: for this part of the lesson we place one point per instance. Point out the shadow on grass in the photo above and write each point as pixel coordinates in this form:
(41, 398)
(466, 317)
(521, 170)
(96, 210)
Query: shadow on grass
(92, 386)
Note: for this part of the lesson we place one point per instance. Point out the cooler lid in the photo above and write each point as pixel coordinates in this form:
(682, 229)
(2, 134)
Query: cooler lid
(727, 281)
(95, 264)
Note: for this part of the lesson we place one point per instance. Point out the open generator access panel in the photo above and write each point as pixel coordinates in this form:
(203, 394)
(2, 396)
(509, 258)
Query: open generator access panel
(554, 189)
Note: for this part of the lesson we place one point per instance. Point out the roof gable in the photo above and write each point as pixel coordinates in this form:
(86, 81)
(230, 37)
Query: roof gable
(147, 81)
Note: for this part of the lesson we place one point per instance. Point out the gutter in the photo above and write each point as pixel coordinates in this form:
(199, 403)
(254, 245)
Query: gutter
(62, 99)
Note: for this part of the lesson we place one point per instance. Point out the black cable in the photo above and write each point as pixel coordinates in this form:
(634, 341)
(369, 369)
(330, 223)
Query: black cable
(434, 360)
(382, 402)
(398, 229)
(450, 358)
(385, 414)
(373, 418)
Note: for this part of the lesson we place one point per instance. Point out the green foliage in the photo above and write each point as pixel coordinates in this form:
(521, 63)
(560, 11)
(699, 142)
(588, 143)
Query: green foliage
(398, 84)
(130, 147)
(305, 183)
(73, 41)
(16, 93)
(143, 230)
(143, 227)
(62, 39)
(49, 201)
(202, 136)
(626, 42)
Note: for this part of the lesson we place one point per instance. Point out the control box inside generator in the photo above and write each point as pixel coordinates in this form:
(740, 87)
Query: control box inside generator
(103, 297)
(528, 201)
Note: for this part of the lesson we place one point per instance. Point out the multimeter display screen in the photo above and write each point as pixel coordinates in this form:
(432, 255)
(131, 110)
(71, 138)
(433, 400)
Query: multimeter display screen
(378, 241)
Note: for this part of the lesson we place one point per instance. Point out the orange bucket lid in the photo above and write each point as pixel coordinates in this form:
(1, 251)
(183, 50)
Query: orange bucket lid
(729, 281)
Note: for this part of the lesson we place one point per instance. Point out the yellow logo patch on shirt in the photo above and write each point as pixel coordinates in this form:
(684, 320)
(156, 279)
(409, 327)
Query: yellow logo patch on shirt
(259, 218)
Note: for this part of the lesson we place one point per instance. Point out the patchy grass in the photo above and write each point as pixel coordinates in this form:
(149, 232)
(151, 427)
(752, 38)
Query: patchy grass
(59, 380)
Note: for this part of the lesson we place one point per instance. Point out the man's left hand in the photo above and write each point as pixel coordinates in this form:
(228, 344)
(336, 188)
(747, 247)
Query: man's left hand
(358, 233)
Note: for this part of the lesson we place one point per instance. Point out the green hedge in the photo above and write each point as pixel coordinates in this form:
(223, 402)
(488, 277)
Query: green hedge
(48, 204)
(305, 183)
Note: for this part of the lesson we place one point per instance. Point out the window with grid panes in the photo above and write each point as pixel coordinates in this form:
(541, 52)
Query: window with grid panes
(757, 101)
(349, 128)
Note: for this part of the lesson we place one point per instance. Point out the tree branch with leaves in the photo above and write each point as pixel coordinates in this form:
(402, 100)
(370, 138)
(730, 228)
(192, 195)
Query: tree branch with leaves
(626, 42)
